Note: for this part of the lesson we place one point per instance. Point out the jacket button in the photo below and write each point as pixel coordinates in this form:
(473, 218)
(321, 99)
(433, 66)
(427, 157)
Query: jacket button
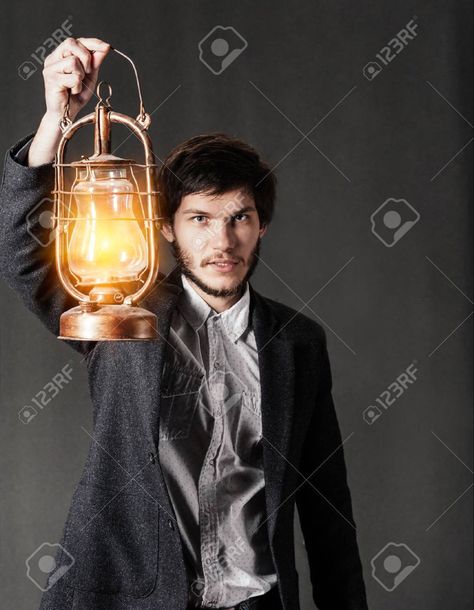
(151, 457)
(170, 524)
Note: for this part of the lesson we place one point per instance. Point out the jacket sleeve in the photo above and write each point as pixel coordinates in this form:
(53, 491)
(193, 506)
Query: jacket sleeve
(325, 509)
(27, 259)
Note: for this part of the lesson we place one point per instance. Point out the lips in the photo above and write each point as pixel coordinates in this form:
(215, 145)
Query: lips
(223, 265)
(224, 261)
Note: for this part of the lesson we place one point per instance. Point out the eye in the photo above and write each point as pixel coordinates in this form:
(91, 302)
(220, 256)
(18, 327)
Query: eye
(241, 215)
(194, 218)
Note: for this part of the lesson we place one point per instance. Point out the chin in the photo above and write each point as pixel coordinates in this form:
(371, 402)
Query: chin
(220, 281)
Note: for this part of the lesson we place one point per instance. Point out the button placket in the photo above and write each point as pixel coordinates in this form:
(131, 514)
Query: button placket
(207, 482)
(223, 531)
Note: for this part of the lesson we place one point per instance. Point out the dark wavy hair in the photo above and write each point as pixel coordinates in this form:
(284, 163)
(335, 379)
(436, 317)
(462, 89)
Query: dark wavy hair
(215, 164)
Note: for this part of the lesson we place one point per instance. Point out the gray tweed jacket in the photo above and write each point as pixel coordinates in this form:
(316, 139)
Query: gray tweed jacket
(120, 529)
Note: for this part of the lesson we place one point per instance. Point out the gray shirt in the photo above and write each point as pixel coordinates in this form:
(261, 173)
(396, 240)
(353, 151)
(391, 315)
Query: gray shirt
(210, 450)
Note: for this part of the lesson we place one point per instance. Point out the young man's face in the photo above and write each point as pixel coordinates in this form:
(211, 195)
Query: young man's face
(210, 228)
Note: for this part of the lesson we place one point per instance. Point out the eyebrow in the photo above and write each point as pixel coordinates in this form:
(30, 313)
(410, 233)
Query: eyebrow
(204, 213)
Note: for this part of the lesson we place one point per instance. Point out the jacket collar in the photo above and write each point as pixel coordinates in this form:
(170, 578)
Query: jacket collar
(260, 315)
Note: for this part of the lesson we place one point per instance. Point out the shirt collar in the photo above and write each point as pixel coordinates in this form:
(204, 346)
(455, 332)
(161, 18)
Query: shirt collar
(196, 311)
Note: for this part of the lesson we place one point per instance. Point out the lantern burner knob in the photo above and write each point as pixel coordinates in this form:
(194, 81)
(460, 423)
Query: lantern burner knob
(106, 295)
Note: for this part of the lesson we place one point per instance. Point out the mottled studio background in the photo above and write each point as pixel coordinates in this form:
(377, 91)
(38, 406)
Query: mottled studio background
(344, 140)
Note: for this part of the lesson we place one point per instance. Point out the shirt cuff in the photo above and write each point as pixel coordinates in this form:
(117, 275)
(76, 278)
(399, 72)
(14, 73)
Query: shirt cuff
(22, 155)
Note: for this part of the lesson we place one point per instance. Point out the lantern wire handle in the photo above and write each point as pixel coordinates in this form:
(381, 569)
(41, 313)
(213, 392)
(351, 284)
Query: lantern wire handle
(143, 118)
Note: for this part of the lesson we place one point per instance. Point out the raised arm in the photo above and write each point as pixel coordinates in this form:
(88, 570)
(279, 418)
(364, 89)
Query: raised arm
(27, 262)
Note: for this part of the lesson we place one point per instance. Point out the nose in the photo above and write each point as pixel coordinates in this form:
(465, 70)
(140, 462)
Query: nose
(223, 235)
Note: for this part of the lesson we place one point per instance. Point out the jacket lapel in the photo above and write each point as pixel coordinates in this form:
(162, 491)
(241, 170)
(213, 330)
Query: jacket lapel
(161, 301)
(277, 377)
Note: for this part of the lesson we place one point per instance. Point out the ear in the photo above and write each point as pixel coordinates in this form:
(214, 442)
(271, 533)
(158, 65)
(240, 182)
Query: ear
(167, 231)
(262, 230)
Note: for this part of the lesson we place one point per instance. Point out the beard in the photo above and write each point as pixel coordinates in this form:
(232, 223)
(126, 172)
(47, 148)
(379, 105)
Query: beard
(183, 261)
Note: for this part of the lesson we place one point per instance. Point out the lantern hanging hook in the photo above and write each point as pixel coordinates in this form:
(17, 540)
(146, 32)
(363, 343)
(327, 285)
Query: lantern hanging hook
(106, 102)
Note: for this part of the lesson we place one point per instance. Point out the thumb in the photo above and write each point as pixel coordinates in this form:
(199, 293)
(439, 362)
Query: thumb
(97, 59)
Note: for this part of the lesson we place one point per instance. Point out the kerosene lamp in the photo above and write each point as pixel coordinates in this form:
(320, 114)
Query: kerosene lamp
(107, 227)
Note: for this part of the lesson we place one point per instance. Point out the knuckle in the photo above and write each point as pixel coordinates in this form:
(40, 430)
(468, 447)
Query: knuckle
(72, 62)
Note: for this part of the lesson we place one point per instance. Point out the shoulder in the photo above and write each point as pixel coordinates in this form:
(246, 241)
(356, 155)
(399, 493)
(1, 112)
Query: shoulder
(295, 323)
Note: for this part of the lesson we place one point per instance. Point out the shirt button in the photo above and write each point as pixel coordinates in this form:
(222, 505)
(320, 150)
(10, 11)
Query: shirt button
(170, 524)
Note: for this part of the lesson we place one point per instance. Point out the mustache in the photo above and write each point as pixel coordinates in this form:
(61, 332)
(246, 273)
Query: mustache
(184, 258)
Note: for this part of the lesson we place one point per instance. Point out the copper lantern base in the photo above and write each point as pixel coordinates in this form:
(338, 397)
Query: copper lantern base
(93, 322)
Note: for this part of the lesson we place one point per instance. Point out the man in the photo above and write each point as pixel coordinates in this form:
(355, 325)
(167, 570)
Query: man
(206, 439)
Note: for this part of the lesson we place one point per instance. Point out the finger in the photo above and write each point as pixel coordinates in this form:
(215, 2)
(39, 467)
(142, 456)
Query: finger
(75, 47)
(96, 61)
(69, 65)
(70, 47)
(95, 44)
(70, 81)
(98, 49)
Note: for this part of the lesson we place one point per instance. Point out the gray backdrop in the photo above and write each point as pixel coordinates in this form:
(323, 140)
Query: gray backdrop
(353, 113)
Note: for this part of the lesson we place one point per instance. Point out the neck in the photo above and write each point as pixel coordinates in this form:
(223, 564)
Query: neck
(218, 304)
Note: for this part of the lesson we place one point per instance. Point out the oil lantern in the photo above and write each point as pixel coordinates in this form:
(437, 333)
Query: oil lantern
(107, 227)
